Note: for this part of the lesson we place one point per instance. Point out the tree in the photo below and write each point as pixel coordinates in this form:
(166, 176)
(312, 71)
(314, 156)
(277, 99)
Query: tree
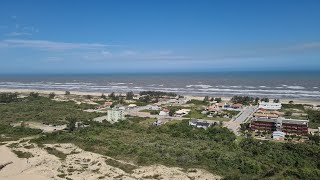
(218, 100)
(34, 95)
(212, 99)
(129, 95)
(121, 100)
(88, 96)
(103, 96)
(265, 99)
(206, 99)
(52, 95)
(112, 96)
(67, 93)
(276, 100)
(288, 113)
(71, 123)
(290, 102)
(8, 97)
(256, 100)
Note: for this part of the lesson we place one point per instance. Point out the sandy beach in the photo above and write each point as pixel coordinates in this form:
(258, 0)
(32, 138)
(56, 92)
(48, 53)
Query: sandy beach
(314, 102)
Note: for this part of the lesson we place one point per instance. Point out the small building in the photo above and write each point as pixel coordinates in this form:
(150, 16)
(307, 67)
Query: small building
(269, 105)
(182, 112)
(132, 106)
(164, 112)
(155, 107)
(278, 135)
(236, 106)
(199, 124)
(193, 122)
(158, 122)
(115, 115)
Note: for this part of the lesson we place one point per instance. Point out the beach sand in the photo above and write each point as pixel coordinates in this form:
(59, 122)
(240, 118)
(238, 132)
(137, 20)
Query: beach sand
(314, 102)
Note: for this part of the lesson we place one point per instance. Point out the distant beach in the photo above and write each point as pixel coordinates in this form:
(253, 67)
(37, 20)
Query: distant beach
(284, 85)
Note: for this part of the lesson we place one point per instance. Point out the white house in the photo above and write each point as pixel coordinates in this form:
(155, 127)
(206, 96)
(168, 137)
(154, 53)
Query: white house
(164, 113)
(115, 115)
(270, 105)
(132, 106)
(277, 135)
(155, 107)
(182, 112)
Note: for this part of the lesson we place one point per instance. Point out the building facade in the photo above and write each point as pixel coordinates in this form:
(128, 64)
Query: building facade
(270, 105)
(115, 115)
(289, 126)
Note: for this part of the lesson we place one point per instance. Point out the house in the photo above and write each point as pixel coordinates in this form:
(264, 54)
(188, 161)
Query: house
(269, 105)
(203, 124)
(164, 112)
(108, 104)
(155, 107)
(158, 122)
(236, 106)
(115, 115)
(130, 106)
(105, 105)
(262, 113)
(193, 122)
(182, 112)
(213, 109)
(199, 124)
(278, 135)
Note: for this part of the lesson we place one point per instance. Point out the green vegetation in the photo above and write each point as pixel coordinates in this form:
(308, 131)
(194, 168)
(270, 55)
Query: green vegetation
(55, 152)
(197, 102)
(42, 109)
(9, 133)
(245, 100)
(129, 95)
(52, 95)
(157, 93)
(128, 168)
(314, 118)
(21, 154)
(288, 107)
(178, 144)
(8, 97)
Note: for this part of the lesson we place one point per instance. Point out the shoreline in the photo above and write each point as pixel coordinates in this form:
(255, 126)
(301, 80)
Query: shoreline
(314, 102)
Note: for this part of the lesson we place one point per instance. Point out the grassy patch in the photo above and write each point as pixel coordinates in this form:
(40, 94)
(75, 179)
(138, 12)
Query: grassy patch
(43, 109)
(29, 146)
(22, 154)
(128, 168)
(56, 152)
(14, 133)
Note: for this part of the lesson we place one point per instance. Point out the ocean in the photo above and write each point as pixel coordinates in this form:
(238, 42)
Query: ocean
(303, 85)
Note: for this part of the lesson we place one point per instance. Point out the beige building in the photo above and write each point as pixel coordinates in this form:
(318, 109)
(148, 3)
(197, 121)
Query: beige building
(115, 115)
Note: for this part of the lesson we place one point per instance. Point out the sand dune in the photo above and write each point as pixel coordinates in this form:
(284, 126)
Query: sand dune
(80, 164)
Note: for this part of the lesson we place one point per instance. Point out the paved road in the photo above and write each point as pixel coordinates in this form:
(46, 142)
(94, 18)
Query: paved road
(234, 124)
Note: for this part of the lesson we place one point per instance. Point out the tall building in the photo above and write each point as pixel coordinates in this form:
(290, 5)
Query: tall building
(115, 115)
(289, 126)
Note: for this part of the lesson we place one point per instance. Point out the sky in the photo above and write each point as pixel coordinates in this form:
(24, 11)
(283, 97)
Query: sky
(116, 36)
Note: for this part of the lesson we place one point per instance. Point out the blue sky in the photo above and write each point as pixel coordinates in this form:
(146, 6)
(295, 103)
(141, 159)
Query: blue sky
(158, 36)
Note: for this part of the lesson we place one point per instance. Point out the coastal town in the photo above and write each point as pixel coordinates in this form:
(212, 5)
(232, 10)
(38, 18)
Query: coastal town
(59, 113)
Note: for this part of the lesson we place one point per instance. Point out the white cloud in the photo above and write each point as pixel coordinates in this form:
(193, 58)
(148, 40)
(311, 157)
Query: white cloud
(18, 34)
(51, 45)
